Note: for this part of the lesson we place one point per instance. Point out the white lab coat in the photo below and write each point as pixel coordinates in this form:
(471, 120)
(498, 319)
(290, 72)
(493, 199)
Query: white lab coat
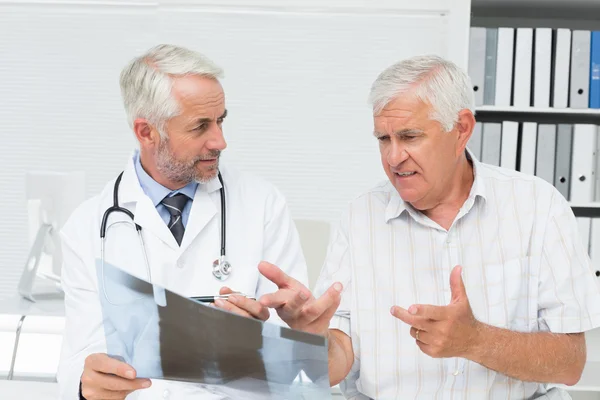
(259, 227)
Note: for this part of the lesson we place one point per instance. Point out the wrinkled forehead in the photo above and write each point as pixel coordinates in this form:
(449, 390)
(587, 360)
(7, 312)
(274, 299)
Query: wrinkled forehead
(403, 102)
(402, 112)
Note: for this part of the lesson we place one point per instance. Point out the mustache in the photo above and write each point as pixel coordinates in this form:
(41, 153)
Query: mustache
(212, 155)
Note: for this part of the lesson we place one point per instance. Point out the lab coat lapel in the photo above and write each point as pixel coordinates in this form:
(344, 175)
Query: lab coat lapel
(132, 195)
(148, 218)
(202, 211)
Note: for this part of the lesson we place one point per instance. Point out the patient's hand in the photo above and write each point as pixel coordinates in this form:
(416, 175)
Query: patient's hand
(296, 305)
(443, 331)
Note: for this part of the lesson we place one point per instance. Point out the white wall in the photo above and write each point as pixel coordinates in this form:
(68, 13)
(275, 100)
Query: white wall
(297, 79)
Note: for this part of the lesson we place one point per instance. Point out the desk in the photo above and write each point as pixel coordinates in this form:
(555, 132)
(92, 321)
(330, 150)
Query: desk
(47, 304)
(19, 390)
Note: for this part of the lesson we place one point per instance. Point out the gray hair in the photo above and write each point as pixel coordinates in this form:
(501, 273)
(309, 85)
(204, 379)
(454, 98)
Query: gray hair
(431, 79)
(146, 82)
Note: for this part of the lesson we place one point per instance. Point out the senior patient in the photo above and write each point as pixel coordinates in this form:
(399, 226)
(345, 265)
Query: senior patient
(454, 278)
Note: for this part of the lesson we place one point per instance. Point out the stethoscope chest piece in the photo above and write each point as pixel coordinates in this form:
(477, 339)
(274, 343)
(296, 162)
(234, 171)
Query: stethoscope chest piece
(221, 269)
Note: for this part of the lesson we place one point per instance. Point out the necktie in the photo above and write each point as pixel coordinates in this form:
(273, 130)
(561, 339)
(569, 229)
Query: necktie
(175, 207)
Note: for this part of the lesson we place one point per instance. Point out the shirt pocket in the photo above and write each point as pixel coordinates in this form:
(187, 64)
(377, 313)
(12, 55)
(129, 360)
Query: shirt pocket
(509, 294)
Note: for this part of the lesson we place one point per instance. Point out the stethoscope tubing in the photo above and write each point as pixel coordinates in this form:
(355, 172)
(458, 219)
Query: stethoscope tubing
(116, 208)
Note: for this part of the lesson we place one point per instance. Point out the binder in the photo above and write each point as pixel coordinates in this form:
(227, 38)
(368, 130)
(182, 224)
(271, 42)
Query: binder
(477, 41)
(594, 246)
(523, 62)
(583, 162)
(546, 149)
(510, 139)
(491, 52)
(475, 141)
(528, 147)
(542, 65)
(562, 61)
(596, 195)
(492, 137)
(564, 147)
(584, 226)
(504, 66)
(595, 70)
(580, 69)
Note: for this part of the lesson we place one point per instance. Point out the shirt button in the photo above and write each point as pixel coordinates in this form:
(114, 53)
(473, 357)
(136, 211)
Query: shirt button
(166, 394)
(455, 373)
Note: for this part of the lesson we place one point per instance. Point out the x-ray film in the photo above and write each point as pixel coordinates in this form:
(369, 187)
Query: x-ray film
(167, 336)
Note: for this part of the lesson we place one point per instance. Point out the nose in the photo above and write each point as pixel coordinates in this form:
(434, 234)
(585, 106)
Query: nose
(217, 140)
(397, 154)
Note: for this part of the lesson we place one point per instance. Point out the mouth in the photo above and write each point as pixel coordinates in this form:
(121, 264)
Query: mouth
(208, 161)
(405, 174)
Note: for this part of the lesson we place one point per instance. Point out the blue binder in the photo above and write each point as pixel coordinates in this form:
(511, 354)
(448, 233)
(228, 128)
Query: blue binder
(595, 70)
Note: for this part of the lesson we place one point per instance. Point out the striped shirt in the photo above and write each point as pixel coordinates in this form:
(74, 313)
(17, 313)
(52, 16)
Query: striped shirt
(524, 269)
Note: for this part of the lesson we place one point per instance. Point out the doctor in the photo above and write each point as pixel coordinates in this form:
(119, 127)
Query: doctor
(173, 188)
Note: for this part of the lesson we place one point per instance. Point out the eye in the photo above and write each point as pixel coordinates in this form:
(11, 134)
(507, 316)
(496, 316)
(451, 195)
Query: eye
(220, 120)
(200, 128)
(383, 138)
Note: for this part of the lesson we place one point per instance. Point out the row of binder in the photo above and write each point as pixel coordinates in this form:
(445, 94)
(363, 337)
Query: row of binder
(539, 67)
(564, 155)
(589, 231)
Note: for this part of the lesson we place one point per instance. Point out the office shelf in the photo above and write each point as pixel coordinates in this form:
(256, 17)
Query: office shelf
(586, 209)
(539, 115)
(570, 14)
(567, 14)
(585, 205)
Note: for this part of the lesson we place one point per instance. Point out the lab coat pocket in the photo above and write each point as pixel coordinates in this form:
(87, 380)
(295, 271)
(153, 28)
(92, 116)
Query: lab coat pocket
(510, 294)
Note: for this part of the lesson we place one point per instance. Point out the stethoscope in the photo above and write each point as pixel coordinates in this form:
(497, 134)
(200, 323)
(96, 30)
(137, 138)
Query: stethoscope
(221, 268)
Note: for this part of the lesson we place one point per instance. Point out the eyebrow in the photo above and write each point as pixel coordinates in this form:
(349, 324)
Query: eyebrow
(204, 120)
(401, 132)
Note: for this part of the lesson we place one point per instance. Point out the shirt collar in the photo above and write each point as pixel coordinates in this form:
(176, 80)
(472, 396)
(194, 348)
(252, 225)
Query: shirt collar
(396, 206)
(154, 190)
(479, 172)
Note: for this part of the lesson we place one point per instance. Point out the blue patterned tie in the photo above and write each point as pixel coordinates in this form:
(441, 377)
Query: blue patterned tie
(175, 207)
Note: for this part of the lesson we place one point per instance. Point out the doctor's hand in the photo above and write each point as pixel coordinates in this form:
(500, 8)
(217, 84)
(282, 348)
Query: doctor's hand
(296, 305)
(106, 378)
(242, 305)
(443, 331)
